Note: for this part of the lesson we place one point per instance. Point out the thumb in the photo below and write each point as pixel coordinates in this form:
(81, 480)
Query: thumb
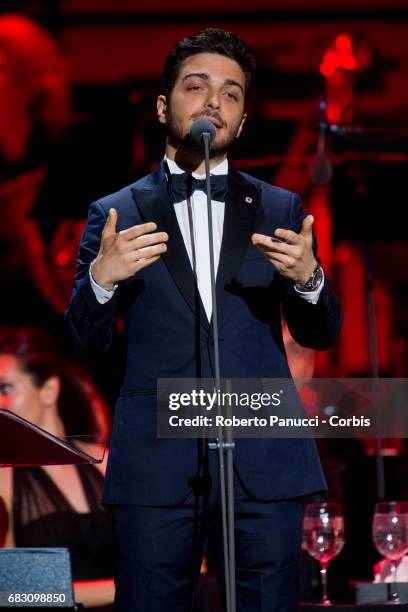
(307, 225)
(110, 225)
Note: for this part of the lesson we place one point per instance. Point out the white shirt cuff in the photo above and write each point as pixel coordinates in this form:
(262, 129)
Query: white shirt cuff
(311, 296)
(102, 295)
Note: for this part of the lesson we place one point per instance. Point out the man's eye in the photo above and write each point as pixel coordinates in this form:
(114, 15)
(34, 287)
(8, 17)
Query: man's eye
(232, 96)
(194, 87)
(6, 388)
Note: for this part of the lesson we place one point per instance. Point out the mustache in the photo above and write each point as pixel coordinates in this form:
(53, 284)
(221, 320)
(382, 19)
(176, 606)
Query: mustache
(214, 115)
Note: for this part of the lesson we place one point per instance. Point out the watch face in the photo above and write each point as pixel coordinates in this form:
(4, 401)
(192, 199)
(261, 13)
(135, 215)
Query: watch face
(313, 283)
(316, 279)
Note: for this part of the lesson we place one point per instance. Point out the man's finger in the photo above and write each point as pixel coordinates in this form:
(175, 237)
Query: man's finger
(148, 239)
(287, 235)
(282, 247)
(275, 258)
(110, 225)
(147, 252)
(269, 243)
(138, 230)
(142, 263)
(307, 226)
(260, 240)
(271, 248)
(279, 258)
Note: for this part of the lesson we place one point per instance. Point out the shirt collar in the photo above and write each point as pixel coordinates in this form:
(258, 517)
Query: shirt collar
(221, 168)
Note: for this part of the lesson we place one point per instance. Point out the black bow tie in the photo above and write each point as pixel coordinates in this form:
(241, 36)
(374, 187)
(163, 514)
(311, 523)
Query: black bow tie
(184, 184)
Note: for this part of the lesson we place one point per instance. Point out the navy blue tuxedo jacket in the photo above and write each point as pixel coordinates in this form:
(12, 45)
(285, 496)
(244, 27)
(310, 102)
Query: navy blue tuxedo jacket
(169, 336)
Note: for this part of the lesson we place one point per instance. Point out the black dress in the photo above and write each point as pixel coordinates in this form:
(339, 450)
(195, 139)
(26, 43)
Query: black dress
(43, 516)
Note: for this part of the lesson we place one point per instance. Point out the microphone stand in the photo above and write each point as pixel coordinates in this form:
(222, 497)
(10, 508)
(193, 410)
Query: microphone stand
(227, 499)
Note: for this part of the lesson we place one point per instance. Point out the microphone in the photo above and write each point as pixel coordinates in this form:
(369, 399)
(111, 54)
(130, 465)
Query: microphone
(321, 168)
(200, 127)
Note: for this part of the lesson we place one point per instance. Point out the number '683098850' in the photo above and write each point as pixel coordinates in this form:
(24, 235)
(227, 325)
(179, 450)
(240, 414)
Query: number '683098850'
(36, 598)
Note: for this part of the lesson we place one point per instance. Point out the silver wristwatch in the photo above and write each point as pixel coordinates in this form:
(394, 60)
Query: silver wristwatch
(312, 283)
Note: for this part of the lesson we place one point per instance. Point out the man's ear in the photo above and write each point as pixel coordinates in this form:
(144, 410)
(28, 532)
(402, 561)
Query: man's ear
(162, 109)
(241, 125)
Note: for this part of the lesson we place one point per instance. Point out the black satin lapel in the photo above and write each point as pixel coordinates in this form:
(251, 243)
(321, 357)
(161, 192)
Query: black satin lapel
(156, 205)
(240, 209)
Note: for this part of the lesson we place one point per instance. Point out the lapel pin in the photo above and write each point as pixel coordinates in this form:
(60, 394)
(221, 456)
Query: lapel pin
(248, 200)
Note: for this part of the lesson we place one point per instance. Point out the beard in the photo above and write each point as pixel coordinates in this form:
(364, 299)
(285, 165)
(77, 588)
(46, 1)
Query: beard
(181, 140)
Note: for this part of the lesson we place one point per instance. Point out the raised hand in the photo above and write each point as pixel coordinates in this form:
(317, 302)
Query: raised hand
(292, 255)
(122, 254)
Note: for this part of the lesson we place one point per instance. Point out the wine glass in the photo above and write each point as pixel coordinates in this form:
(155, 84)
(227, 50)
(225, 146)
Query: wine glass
(390, 535)
(323, 537)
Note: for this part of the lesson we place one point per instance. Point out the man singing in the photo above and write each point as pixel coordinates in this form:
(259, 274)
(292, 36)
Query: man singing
(145, 249)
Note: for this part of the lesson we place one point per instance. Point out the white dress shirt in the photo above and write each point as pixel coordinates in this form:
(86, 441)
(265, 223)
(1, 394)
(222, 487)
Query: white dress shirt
(192, 218)
(193, 222)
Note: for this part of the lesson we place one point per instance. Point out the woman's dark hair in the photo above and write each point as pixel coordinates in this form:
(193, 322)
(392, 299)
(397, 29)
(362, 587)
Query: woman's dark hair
(40, 358)
(211, 40)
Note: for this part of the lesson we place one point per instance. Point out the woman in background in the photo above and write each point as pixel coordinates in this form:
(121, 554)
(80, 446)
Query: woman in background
(56, 505)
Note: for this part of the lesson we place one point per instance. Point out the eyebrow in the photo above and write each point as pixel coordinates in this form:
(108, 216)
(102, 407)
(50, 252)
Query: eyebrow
(205, 77)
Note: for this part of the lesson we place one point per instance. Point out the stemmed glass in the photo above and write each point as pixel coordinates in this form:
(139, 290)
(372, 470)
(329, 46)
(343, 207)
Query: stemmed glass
(323, 537)
(390, 535)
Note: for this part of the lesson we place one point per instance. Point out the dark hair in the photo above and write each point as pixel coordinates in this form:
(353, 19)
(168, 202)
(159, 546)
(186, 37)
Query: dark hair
(39, 357)
(211, 40)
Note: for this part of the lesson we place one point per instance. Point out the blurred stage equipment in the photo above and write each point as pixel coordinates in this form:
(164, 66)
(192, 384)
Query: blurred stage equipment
(340, 64)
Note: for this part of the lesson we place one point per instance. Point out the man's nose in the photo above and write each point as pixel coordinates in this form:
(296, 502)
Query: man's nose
(213, 100)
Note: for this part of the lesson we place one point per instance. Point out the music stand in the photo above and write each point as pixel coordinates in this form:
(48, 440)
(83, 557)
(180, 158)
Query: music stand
(25, 444)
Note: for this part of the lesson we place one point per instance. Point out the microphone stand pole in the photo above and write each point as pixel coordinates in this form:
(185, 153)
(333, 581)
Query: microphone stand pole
(227, 499)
